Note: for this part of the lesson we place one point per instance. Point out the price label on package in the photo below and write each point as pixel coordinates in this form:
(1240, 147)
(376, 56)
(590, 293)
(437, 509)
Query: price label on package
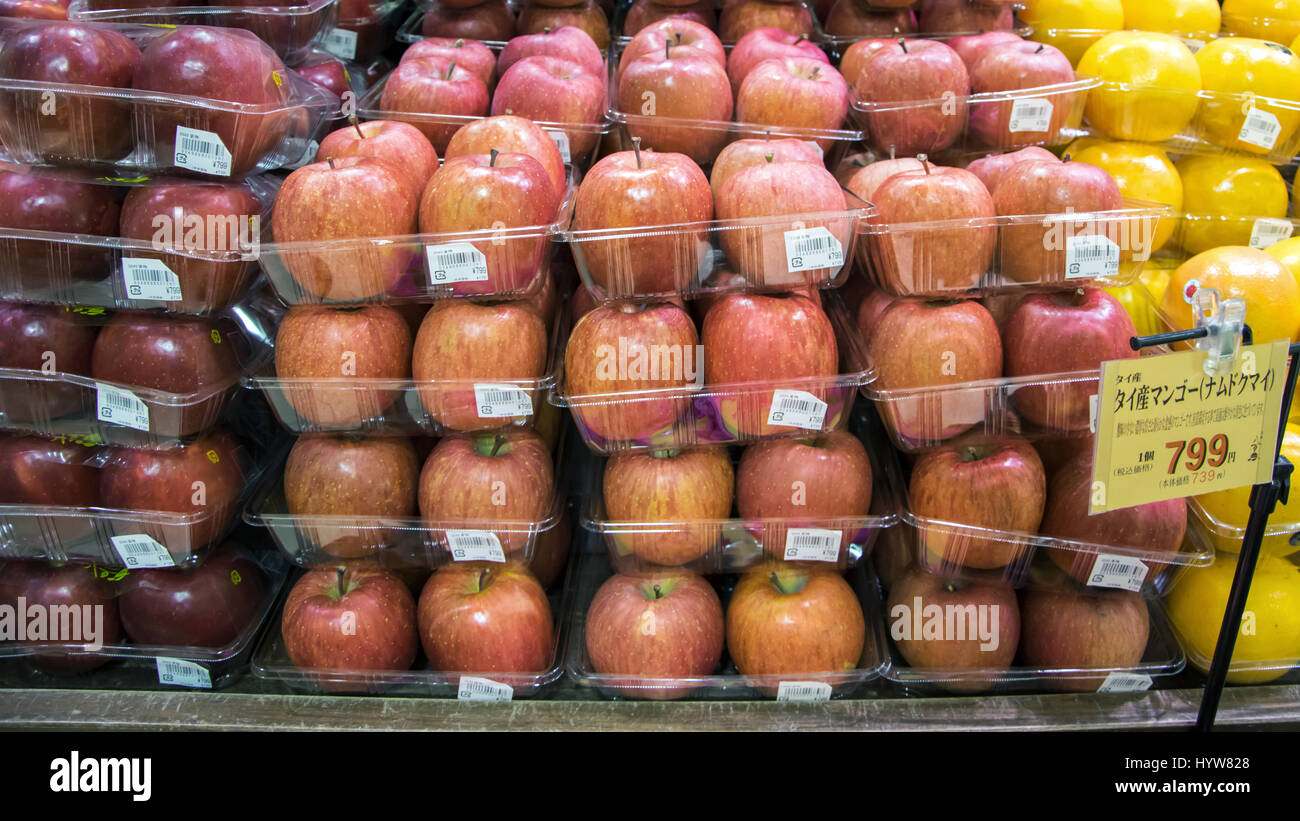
(475, 546)
(341, 43)
(201, 151)
(121, 407)
(561, 140)
(1091, 256)
(1120, 682)
(808, 249)
(139, 551)
(150, 279)
(1030, 114)
(797, 409)
(483, 689)
(1168, 430)
(803, 691)
(456, 262)
(182, 673)
(501, 401)
(1261, 128)
(812, 544)
(1268, 231)
(1119, 572)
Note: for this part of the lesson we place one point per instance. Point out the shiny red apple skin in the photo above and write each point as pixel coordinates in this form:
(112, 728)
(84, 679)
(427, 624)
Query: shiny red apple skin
(743, 16)
(585, 15)
(1155, 529)
(463, 342)
(811, 623)
(41, 203)
(80, 129)
(646, 12)
(463, 480)
(372, 626)
(592, 350)
(1068, 629)
(992, 168)
(510, 134)
(962, 16)
(689, 492)
(169, 353)
(623, 190)
(361, 477)
(794, 93)
(434, 85)
(675, 32)
(551, 552)
(492, 192)
(1064, 332)
(767, 44)
(853, 18)
(229, 65)
(797, 190)
(491, 20)
(49, 338)
(36, 471)
(313, 344)
(996, 485)
(949, 254)
(566, 42)
(555, 90)
(480, 618)
(398, 143)
(686, 642)
(350, 198)
(206, 284)
(68, 585)
(1011, 66)
(468, 54)
(765, 342)
(870, 310)
(681, 84)
(901, 71)
(326, 71)
(866, 180)
(207, 606)
(920, 344)
(35, 9)
(743, 153)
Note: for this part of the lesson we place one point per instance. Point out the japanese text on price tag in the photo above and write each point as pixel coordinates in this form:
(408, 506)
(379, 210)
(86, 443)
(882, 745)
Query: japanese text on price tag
(1167, 430)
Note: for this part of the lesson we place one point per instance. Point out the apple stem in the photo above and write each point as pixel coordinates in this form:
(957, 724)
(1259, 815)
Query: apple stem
(815, 73)
(903, 45)
(658, 593)
(330, 160)
(482, 577)
(357, 125)
(496, 445)
(892, 150)
(1039, 50)
(776, 582)
(636, 148)
(341, 572)
(492, 159)
(924, 159)
(450, 69)
(667, 48)
(546, 30)
(800, 40)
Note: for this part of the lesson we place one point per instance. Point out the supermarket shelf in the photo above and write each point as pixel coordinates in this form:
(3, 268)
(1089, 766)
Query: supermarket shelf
(1263, 707)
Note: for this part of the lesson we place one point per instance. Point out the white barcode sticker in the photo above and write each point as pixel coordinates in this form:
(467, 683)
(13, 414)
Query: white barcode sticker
(456, 262)
(803, 691)
(501, 401)
(1261, 128)
(797, 409)
(1030, 114)
(1091, 255)
(139, 551)
(807, 249)
(475, 546)
(1120, 572)
(1268, 231)
(121, 407)
(483, 689)
(811, 544)
(1117, 682)
(182, 673)
(561, 139)
(341, 43)
(150, 279)
(201, 151)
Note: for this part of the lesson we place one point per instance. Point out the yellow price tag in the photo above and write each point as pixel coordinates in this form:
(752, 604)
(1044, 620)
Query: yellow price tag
(1167, 430)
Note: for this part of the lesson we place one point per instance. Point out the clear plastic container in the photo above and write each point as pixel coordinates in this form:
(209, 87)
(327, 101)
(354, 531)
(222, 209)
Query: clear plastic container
(740, 544)
(271, 664)
(137, 274)
(914, 259)
(364, 38)
(291, 30)
(153, 666)
(730, 414)
(313, 540)
(995, 120)
(499, 263)
(97, 410)
(394, 406)
(620, 38)
(166, 133)
(121, 538)
(726, 682)
(412, 28)
(1281, 537)
(1257, 232)
(700, 257)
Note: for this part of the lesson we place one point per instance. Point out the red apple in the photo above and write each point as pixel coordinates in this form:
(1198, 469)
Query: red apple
(658, 625)
(349, 618)
(211, 605)
(1061, 333)
(36, 9)
(678, 84)
(1067, 629)
(471, 55)
(870, 309)
(434, 86)
(755, 344)
(463, 345)
(743, 16)
(971, 47)
(92, 613)
(47, 203)
(326, 71)
(1010, 67)
(920, 344)
(958, 16)
(555, 90)
(401, 144)
(994, 485)
(50, 339)
(566, 42)
(672, 32)
(551, 551)
(366, 20)
(585, 14)
(742, 154)
(491, 20)
(866, 180)
(476, 618)
(36, 471)
(632, 190)
(325, 211)
(853, 18)
(331, 359)
(992, 168)
(893, 72)
(164, 352)
(509, 134)
(794, 92)
(371, 477)
(768, 44)
(644, 12)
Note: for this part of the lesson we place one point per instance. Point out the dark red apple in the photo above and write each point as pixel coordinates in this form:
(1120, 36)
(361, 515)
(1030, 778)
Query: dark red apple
(48, 203)
(584, 14)
(50, 339)
(35, 471)
(645, 12)
(854, 18)
(92, 617)
(963, 16)
(326, 71)
(743, 16)
(1075, 630)
(490, 20)
(173, 354)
